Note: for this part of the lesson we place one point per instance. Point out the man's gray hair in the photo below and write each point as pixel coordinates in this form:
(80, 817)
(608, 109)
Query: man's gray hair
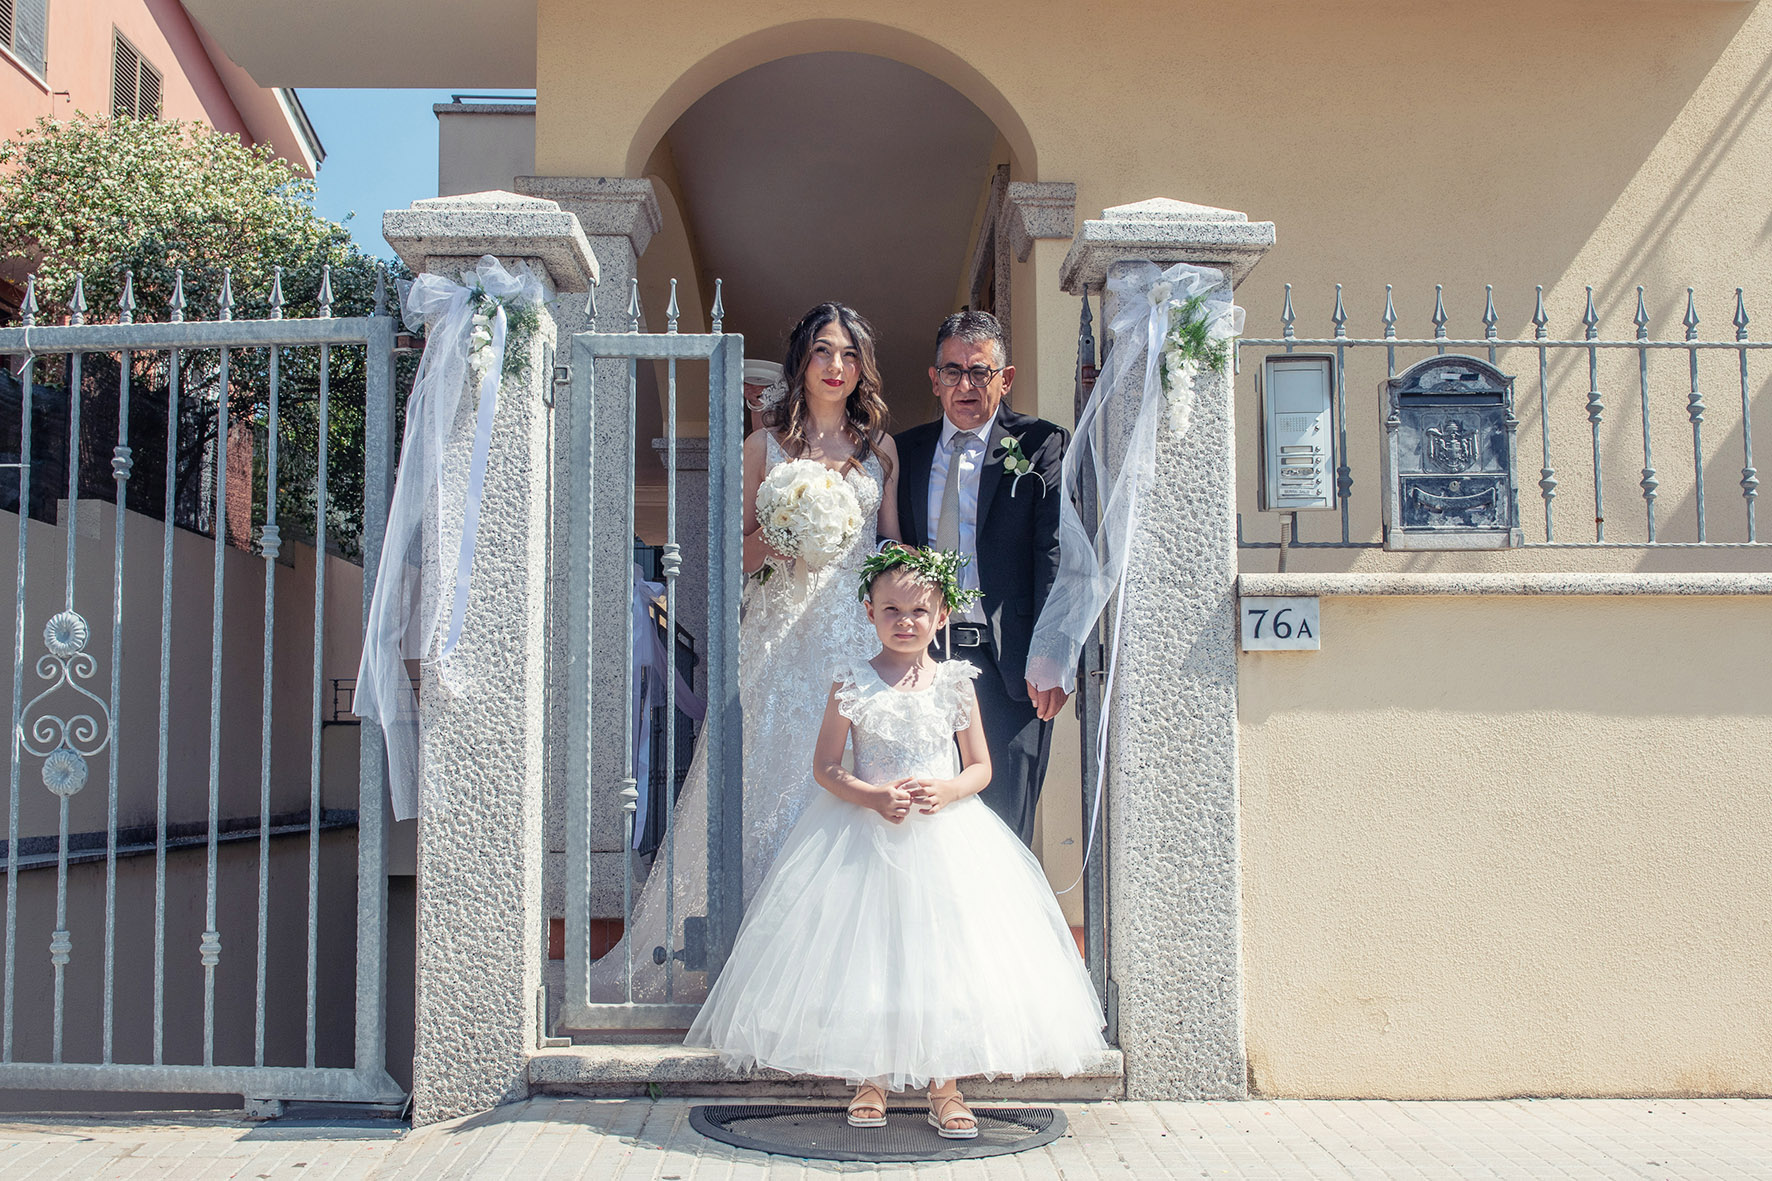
(974, 328)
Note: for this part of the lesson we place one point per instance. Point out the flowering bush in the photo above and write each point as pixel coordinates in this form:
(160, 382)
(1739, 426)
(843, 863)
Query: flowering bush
(99, 196)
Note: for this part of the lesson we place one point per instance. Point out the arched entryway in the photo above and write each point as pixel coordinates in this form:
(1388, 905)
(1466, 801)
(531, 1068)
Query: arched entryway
(856, 177)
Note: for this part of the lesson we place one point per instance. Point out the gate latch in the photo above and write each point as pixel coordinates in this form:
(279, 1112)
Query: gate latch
(693, 955)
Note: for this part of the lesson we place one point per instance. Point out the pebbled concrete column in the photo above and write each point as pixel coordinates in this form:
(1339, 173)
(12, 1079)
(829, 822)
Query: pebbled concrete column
(1174, 935)
(619, 215)
(479, 858)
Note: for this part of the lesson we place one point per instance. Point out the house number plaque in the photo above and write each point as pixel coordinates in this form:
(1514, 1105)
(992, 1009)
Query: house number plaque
(1276, 624)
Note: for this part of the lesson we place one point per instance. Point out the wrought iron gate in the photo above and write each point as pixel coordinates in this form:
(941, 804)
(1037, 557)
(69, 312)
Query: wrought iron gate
(191, 791)
(599, 507)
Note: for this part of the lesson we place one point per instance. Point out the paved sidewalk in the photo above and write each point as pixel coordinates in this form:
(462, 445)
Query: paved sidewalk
(641, 1139)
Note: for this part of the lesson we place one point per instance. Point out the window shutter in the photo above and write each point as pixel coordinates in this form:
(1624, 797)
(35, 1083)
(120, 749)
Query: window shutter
(124, 67)
(6, 23)
(30, 32)
(147, 104)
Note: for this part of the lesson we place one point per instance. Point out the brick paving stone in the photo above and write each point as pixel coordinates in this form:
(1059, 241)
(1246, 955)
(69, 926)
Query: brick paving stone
(641, 1140)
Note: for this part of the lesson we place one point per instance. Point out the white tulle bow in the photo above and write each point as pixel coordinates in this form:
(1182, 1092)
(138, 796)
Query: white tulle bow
(423, 546)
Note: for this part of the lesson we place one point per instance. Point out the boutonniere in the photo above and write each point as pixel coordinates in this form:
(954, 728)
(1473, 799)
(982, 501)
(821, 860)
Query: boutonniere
(1017, 464)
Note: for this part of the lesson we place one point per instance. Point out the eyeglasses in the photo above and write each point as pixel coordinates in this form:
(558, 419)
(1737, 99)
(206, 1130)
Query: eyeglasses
(981, 375)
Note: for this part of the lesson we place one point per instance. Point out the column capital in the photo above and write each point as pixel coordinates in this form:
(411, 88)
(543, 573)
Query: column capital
(443, 232)
(1164, 231)
(1039, 209)
(607, 206)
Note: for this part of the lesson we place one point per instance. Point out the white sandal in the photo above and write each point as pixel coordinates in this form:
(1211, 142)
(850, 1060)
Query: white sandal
(868, 1097)
(942, 1105)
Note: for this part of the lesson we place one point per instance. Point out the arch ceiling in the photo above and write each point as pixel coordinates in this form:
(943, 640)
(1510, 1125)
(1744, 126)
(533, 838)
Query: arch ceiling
(836, 176)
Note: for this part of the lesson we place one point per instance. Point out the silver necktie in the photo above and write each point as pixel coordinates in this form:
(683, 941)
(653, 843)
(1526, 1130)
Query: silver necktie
(947, 529)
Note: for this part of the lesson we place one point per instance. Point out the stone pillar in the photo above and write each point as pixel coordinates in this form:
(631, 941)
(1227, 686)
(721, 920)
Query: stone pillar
(619, 215)
(479, 858)
(1174, 935)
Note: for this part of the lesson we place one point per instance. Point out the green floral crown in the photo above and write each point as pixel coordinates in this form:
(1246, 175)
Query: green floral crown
(931, 567)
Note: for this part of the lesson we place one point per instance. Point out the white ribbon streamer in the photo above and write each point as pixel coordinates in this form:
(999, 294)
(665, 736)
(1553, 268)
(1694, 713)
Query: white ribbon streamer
(1090, 570)
(406, 610)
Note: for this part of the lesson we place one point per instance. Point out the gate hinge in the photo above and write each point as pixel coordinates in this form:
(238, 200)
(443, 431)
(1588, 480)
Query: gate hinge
(562, 375)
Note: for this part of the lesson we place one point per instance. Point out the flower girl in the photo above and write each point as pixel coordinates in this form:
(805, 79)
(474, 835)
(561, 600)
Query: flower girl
(904, 936)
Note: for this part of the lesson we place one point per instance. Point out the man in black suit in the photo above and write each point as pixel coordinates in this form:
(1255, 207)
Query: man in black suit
(958, 489)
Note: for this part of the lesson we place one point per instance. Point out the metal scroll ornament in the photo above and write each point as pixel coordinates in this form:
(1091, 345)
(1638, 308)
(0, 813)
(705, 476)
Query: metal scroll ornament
(64, 743)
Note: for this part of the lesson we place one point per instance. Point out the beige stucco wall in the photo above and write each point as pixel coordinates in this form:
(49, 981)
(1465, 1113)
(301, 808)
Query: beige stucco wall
(1510, 846)
(1514, 143)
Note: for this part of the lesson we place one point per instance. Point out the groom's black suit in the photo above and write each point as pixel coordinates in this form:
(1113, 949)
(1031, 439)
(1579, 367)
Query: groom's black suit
(1017, 551)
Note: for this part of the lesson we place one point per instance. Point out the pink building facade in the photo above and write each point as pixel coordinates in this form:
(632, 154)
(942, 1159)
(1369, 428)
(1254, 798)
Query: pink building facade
(140, 57)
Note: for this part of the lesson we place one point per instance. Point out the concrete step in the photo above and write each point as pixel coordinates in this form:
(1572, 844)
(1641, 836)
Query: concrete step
(630, 1070)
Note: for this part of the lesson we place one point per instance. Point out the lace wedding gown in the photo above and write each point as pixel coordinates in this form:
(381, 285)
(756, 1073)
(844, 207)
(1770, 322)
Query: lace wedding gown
(793, 635)
(901, 953)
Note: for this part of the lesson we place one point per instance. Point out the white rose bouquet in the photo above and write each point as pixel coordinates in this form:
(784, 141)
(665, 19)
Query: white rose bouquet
(807, 512)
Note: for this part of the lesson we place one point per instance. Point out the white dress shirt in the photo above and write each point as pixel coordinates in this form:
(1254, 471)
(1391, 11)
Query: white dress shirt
(971, 461)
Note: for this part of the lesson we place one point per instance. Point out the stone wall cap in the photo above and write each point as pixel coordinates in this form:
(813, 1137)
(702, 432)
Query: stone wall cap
(1653, 583)
(490, 199)
(1169, 209)
(505, 225)
(1164, 231)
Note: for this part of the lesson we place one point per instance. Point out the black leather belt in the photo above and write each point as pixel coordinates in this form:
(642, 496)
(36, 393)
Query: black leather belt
(969, 635)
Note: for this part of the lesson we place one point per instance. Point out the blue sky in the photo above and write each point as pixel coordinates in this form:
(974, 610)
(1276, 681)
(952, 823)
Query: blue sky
(381, 154)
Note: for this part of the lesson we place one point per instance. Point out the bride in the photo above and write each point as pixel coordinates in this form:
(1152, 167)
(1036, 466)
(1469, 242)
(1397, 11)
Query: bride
(794, 631)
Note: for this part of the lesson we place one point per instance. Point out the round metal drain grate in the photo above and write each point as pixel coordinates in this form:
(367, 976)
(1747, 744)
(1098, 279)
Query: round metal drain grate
(823, 1133)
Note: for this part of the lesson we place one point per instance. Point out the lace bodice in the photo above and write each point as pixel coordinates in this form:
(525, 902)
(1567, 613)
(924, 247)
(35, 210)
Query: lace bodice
(899, 732)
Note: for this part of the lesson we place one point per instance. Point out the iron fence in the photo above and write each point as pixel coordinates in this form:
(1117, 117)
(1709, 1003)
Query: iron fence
(1588, 405)
(127, 1003)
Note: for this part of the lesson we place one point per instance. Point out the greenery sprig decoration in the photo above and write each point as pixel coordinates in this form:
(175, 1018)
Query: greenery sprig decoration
(1188, 336)
(931, 567)
(522, 322)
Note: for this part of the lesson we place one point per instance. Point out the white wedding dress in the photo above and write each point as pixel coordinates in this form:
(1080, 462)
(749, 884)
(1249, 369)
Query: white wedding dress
(901, 953)
(795, 632)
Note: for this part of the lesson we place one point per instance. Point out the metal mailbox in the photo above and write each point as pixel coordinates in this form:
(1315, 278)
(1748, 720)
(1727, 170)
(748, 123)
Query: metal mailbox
(1449, 457)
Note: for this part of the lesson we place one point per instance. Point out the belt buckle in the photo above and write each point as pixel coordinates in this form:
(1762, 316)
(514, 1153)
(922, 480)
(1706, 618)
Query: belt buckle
(968, 635)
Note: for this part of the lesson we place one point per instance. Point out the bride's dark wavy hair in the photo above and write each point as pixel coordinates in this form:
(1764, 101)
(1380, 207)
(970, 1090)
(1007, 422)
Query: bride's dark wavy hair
(866, 408)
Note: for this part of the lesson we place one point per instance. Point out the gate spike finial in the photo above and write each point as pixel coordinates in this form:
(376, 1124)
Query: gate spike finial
(126, 301)
(276, 293)
(1740, 316)
(324, 299)
(672, 311)
(177, 302)
(77, 304)
(1539, 319)
(28, 310)
(1340, 315)
(226, 302)
(1489, 316)
(591, 306)
(381, 289)
(1591, 317)
(719, 306)
(633, 305)
(1439, 312)
(1641, 319)
(1286, 316)
(1390, 315)
(1691, 318)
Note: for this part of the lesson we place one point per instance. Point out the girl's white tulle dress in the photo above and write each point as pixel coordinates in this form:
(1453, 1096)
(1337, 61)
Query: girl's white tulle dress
(930, 949)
